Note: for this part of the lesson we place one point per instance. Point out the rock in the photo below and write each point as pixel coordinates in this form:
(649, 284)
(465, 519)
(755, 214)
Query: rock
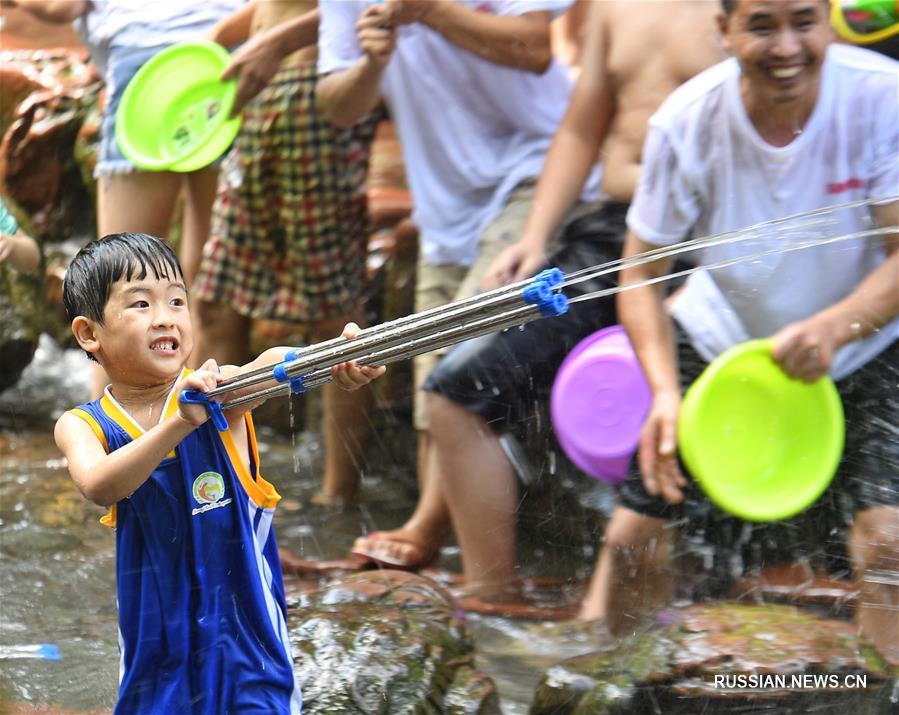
(51, 93)
(725, 658)
(386, 642)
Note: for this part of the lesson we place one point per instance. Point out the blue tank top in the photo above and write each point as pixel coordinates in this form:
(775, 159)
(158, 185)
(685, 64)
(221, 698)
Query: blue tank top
(202, 614)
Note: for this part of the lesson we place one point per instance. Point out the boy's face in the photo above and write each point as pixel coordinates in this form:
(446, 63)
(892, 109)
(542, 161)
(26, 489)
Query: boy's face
(146, 332)
(780, 45)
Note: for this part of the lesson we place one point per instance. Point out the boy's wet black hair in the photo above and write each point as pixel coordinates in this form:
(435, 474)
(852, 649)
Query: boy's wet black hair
(118, 256)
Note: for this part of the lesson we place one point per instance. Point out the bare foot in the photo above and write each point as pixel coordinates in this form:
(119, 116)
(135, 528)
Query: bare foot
(332, 501)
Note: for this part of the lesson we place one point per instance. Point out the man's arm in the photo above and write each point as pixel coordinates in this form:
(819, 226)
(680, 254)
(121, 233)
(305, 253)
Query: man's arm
(520, 41)
(346, 96)
(642, 313)
(571, 157)
(256, 62)
(805, 349)
(235, 28)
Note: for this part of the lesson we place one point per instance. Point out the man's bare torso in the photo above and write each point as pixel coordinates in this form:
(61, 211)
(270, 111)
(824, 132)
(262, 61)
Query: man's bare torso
(652, 47)
(268, 13)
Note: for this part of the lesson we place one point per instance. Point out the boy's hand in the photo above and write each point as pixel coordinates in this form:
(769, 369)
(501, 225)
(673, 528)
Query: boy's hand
(350, 376)
(203, 379)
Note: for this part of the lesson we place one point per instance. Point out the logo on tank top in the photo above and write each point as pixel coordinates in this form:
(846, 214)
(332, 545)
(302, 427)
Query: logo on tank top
(209, 492)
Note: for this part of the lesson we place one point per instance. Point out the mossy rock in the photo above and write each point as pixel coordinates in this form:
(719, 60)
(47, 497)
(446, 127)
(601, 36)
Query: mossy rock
(725, 658)
(386, 642)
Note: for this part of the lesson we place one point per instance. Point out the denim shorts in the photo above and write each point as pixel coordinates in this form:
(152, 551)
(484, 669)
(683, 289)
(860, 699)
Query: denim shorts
(123, 63)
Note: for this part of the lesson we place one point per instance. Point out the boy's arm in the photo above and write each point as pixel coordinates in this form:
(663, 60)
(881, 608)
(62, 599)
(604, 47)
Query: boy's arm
(108, 478)
(53, 11)
(571, 157)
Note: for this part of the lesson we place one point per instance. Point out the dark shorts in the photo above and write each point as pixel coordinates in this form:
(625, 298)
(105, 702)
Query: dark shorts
(868, 475)
(502, 377)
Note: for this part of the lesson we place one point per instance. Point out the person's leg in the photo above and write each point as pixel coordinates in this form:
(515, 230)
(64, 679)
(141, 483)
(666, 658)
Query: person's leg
(874, 548)
(346, 426)
(633, 577)
(869, 475)
(232, 283)
(199, 195)
(225, 334)
(482, 509)
(417, 541)
(415, 544)
(138, 201)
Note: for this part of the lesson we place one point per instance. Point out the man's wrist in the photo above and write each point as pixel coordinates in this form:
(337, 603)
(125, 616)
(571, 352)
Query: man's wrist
(433, 14)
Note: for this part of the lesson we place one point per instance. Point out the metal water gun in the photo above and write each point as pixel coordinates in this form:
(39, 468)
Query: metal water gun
(309, 367)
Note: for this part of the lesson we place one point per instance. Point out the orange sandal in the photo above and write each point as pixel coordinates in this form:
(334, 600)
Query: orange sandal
(420, 556)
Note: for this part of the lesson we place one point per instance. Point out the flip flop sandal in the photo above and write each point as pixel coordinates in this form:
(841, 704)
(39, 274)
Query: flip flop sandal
(421, 557)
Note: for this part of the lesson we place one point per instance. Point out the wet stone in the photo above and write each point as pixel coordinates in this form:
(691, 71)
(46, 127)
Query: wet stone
(725, 658)
(385, 642)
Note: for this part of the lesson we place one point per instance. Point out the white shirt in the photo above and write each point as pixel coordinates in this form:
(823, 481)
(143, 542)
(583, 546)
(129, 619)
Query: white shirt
(147, 23)
(471, 130)
(707, 170)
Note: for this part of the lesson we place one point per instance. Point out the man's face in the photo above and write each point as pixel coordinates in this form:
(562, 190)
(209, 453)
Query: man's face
(780, 45)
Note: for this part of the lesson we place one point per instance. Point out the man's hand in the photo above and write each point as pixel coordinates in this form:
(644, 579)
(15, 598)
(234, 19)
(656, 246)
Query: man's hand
(657, 455)
(253, 64)
(376, 35)
(805, 349)
(203, 379)
(350, 376)
(519, 261)
(406, 12)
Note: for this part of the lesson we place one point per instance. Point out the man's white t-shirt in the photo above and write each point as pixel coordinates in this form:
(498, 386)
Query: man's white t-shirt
(706, 170)
(471, 130)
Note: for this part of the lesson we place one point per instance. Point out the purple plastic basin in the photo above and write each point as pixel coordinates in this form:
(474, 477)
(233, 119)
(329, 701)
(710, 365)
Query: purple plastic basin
(599, 401)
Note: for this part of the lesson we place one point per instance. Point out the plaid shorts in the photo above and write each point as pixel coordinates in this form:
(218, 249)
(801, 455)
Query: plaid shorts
(290, 224)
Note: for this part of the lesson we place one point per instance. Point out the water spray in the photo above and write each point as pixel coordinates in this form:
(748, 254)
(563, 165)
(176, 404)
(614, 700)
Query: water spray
(500, 309)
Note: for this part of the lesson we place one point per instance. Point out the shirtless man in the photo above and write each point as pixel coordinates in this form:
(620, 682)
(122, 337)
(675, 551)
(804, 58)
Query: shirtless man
(620, 86)
(290, 225)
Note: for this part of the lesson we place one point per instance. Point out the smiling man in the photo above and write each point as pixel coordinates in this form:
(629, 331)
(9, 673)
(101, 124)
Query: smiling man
(791, 123)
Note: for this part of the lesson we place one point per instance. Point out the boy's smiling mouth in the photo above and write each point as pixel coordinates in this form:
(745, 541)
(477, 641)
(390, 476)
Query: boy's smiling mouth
(164, 345)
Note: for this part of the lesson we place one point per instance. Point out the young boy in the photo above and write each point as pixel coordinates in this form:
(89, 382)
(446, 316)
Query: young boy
(202, 610)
